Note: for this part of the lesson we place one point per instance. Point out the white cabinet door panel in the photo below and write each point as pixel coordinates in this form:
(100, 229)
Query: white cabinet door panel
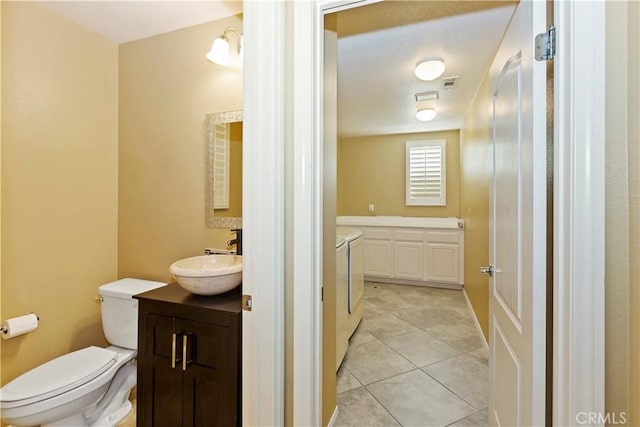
(420, 255)
(442, 263)
(378, 258)
(408, 260)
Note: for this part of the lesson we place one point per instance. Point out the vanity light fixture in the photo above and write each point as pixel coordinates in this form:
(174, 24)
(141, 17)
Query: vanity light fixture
(429, 68)
(425, 114)
(219, 53)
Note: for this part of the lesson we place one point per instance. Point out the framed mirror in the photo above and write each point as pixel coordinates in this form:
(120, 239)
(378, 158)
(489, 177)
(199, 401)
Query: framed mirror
(223, 187)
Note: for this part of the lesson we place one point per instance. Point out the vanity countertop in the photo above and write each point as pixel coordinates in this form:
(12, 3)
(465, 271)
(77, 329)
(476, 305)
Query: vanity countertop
(229, 301)
(401, 221)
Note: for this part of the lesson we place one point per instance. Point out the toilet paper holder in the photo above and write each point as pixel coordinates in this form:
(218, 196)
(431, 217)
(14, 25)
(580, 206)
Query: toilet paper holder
(4, 330)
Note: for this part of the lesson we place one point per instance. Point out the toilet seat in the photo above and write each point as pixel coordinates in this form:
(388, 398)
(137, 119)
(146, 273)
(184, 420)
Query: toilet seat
(58, 376)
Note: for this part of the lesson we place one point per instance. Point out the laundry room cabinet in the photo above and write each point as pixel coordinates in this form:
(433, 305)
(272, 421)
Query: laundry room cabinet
(443, 257)
(403, 251)
(378, 252)
(408, 254)
(189, 358)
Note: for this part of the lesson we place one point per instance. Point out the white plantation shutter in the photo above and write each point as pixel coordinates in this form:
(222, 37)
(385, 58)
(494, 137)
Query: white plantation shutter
(426, 174)
(221, 167)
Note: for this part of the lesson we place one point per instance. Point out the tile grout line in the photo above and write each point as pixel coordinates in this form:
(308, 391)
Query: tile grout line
(445, 386)
(383, 407)
(462, 419)
(415, 367)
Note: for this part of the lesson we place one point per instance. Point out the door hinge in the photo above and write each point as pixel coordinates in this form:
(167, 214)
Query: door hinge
(246, 302)
(546, 45)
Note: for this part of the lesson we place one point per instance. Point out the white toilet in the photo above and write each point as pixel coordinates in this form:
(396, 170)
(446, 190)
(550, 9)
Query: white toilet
(88, 387)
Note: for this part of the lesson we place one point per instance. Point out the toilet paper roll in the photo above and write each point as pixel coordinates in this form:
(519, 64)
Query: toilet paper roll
(19, 325)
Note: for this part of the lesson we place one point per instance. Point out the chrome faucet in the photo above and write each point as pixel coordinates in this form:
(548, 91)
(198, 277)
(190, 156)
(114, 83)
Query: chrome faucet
(237, 241)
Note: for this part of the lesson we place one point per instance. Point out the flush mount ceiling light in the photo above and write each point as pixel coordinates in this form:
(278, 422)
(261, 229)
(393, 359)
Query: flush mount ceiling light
(219, 53)
(425, 114)
(429, 68)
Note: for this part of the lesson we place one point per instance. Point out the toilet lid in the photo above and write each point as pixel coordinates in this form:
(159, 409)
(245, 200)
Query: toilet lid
(59, 375)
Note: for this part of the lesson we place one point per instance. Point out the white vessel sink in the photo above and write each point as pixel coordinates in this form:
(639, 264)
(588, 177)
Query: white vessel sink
(208, 274)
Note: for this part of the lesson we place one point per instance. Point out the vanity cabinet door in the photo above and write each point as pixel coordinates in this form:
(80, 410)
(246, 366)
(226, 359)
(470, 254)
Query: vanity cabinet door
(159, 385)
(210, 383)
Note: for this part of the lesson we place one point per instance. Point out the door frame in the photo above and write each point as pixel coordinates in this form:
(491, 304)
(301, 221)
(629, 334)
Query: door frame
(283, 77)
(579, 211)
(263, 347)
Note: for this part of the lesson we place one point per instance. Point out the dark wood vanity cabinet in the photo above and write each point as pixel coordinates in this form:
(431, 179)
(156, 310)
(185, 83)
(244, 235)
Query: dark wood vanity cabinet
(189, 359)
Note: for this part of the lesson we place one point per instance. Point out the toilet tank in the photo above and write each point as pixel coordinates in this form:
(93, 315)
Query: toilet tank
(120, 310)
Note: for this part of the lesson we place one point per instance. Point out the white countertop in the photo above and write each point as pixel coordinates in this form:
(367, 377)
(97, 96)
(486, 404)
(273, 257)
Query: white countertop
(401, 221)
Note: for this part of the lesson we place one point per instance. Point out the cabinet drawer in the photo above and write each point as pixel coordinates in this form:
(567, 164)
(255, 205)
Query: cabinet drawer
(443, 237)
(377, 233)
(409, 236)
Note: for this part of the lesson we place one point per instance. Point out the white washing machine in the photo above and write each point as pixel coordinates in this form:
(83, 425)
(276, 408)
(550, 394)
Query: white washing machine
(342, 315)
(355, 294)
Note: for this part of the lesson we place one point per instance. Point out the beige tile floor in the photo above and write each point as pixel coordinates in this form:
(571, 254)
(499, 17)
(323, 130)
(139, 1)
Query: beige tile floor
(417, 359)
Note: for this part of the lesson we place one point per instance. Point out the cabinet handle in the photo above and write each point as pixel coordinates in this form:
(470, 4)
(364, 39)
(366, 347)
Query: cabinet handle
(174, 338)
(184, 352)
(187, 349)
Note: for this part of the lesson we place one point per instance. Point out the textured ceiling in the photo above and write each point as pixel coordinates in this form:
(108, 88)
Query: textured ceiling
(125, 21)
(380, 44)
(389, 14)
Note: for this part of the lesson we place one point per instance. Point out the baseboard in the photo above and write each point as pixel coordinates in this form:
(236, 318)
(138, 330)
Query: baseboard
(334, 417)
(475, 318)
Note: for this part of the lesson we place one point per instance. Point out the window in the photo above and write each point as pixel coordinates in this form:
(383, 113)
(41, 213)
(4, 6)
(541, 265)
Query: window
(426, 173)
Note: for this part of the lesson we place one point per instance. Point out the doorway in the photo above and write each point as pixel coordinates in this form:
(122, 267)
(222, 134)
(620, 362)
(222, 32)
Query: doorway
(582, 28)
(399, 319)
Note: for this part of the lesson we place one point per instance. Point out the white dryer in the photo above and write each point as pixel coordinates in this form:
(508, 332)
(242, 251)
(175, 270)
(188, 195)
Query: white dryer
(342, 315)
(355, 295)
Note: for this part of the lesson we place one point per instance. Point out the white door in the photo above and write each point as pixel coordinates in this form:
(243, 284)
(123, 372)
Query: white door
(518, 226)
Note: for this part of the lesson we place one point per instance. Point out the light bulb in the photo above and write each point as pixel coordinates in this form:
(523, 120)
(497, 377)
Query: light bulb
(429, 68)
(219, 53)
(426, 114)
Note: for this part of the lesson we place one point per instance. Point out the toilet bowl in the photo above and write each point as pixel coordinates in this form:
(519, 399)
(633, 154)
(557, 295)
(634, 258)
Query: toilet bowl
(90, 386)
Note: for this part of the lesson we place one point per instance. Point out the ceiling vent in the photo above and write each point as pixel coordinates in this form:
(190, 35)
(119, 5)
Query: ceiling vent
(427, 96)
(449, 83)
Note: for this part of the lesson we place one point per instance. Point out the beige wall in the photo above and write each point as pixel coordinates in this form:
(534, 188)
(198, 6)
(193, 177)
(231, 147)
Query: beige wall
(475, 183)
(329, 199)
(633, 76)
(622, 214)
(166, 88)
(372, 170)
(1, 311)
(616, 211)
(59, 181)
